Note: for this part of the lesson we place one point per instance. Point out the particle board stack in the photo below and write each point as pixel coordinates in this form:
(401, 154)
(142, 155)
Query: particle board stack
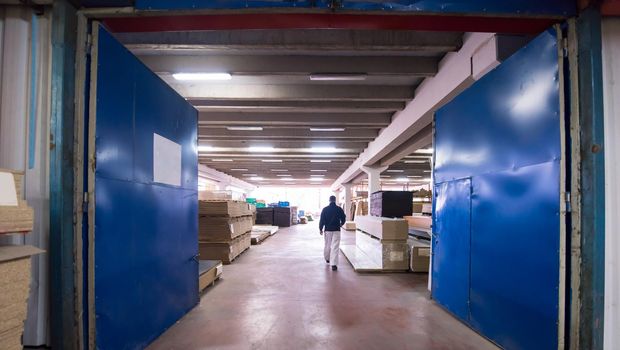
(15, 215)
(224, 229)
(14, 290)
(380, 245)
(208, 272)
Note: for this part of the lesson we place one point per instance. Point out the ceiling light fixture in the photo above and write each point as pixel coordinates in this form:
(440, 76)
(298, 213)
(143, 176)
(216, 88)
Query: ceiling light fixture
(245, 128)
(238, 169)
(246, 175)
(284, 175)
(414, 176)
(425, 151)
(221, 160)
(317, 175)
(271, 160)
(286, 179)
(279, 170)
(206, 148)
(337, 77)
(415, 161)
(319, 170)
(256, 178)
(320, 161)
(201, 76)
(394, 171)
(328, 129)
(402, 179)
(316, 179)
(324, 149)
(259, 149)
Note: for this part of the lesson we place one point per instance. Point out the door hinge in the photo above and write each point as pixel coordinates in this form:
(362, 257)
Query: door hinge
(89, 44)
(85, 202)
(567, 201)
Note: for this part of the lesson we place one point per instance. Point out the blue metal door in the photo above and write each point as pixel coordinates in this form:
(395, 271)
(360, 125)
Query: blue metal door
(144, 240)
(451, 246)
(504, 134)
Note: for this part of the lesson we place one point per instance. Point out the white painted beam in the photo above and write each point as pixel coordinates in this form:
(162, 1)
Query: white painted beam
(456, 73)
(222, 178)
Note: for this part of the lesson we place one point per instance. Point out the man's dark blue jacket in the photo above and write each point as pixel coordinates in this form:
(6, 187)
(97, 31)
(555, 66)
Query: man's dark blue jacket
(332, 218)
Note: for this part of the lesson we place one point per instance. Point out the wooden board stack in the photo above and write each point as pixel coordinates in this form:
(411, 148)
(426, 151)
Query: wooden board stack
(224, 229)
(208, 272)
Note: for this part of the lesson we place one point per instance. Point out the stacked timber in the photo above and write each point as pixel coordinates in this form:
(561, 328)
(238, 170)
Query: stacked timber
(380, 245)
(224, 229)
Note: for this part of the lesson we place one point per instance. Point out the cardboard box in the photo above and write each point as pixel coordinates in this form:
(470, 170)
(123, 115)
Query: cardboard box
(349, 226)
(14, 291)
(419, 255)
(15, 215)
(224, 251)
(224, 208)
(222, 228)
(392, 256)
(386, 229)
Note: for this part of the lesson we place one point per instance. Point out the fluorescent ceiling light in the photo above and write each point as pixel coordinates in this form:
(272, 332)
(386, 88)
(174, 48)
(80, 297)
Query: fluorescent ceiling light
(256, 178)
(319, 171)
(286, 179)
(316, 179)
(394, 171)
(245, 128)
(327, 129)
(425, 150)
(337, 77)
(414, 176)
(205, 148)
(384, 176)
(427, 171)
(415, 161)
(320, 161)
(402, 179)
(259, 149)
(426, 180)
(238, 169)
(250, 175)
(324, 149)
(221, 160)
(289, 183)
(284, 175)
(201, 76)
(316, 175)
(279, 170)
(271, 160)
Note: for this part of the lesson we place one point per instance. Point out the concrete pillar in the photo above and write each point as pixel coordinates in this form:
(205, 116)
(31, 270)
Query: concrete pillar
(374, 181)
(348, 195)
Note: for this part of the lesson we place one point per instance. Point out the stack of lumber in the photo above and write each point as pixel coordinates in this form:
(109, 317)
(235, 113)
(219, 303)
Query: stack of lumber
(208, 272)
(361, 208)
(15, 215)
(380, 245)
(14, 291)
(224, 229)
(261, 232)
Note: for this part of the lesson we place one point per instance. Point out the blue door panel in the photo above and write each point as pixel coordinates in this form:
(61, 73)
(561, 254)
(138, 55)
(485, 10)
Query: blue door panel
(451, 246)
(514, 256)
(504, 134)
(516, 126)
(146, 233)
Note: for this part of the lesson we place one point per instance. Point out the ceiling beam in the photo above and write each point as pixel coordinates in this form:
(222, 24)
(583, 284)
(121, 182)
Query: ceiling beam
(298, 41)
(287, 133)
(292, 92)
(340, 143)
(292, 64)
(241, 118)
(296, 106)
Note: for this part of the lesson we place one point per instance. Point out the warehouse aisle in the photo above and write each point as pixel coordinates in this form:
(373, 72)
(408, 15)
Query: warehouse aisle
(282, 295)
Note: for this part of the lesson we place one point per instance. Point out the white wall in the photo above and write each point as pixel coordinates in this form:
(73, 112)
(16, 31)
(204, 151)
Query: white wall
(611, 83)
(310, 199)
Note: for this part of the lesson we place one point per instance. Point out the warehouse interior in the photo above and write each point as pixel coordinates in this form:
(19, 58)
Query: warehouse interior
(164, 164)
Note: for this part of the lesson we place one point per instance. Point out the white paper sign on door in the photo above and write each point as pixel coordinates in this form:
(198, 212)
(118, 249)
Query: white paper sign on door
(166, 161)
(8, 195)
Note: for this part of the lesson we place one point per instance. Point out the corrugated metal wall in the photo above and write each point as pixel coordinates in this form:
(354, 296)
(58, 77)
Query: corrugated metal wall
(24, 140)
(611, 81)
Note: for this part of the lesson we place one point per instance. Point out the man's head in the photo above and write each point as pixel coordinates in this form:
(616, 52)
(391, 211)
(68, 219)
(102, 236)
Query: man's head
(332, 199)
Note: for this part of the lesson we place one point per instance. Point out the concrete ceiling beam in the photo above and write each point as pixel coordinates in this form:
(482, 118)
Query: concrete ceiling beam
(296, 106)
(293, 92)
(287, 133)
(293, 64)
(305, 119)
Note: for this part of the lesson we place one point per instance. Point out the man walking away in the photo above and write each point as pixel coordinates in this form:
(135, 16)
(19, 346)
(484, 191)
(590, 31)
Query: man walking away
(332, 219)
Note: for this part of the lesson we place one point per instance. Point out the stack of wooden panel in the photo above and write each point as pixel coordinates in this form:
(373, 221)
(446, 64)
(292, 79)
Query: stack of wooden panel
(380, 245)
(224, 229)
(15, 215)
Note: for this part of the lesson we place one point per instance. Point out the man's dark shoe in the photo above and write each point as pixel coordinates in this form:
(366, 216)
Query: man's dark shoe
(334, 268)
(327, 261)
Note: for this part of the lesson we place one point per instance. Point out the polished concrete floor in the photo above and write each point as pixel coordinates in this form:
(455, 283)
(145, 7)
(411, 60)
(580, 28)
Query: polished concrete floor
(282, 295)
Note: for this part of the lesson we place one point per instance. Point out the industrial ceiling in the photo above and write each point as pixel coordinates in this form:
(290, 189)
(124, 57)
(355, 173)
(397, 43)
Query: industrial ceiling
(294, 107)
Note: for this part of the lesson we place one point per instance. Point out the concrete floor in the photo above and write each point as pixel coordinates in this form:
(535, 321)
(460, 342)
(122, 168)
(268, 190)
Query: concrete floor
(282, 295)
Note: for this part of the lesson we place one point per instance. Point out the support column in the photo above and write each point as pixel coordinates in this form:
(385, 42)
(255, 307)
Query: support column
(374, 181)
(347, 199)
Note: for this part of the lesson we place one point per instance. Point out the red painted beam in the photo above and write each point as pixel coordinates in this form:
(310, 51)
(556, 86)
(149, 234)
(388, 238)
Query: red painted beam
(328, 21)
